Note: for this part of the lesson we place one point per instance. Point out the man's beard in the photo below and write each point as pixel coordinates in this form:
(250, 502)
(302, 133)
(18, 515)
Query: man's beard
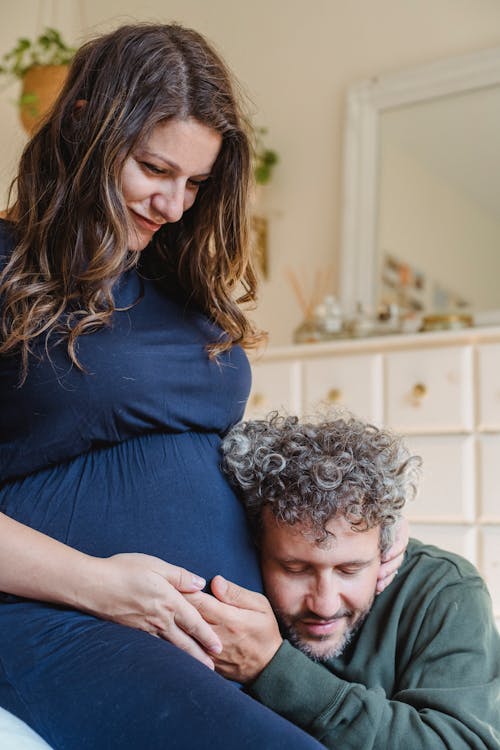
(291, 633)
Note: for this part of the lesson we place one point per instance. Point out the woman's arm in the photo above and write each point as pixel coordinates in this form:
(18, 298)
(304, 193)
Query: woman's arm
(140, 591)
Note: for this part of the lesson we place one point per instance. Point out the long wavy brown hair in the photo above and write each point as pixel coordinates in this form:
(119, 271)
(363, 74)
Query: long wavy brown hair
(69, 219)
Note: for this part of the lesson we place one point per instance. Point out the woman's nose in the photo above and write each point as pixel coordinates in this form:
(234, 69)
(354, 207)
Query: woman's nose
(170, 203)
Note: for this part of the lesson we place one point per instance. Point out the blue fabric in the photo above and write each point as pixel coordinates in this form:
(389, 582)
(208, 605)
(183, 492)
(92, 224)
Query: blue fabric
(124, 457)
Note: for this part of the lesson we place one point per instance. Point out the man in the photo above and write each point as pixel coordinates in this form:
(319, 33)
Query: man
(417, 666)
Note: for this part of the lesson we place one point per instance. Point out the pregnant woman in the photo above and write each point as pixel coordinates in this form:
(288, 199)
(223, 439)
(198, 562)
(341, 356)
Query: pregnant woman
(121, 365)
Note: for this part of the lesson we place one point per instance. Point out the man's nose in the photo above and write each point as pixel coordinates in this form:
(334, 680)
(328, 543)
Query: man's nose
(324, 598)
(170, 203)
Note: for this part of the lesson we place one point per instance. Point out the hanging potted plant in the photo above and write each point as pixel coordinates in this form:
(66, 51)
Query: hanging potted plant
(42, 66)
(265, 159)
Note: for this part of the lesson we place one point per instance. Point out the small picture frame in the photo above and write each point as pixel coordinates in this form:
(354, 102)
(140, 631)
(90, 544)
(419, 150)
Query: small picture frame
(259, 241)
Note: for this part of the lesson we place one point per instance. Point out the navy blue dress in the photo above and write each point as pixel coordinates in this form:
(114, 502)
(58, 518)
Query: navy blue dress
(124, 457)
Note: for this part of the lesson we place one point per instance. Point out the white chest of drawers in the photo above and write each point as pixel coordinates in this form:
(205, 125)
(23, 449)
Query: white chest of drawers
(442, 390)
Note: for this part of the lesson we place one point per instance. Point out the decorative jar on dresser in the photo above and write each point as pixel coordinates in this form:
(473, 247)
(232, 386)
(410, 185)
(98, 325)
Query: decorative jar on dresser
(440, 389)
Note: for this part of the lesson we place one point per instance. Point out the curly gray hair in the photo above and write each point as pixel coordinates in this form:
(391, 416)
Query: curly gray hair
(308, 473)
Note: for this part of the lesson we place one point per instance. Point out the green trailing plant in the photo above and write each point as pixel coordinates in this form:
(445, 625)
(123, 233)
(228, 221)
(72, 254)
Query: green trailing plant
(47, 49)
(265, 159)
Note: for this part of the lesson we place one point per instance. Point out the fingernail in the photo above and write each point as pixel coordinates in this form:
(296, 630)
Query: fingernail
(215, 648)
(199, 582)
(222, 584)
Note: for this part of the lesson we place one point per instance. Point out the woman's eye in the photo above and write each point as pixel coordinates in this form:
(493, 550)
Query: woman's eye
(198, 183)
(152, 168)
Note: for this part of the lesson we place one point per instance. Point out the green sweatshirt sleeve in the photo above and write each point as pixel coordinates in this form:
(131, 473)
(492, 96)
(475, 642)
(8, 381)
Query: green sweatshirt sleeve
(446, 693)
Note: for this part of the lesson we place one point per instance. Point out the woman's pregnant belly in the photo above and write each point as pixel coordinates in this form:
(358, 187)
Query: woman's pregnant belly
(161, 494)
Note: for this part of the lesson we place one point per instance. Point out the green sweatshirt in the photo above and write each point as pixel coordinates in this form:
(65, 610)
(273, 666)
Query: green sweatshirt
(423, 671)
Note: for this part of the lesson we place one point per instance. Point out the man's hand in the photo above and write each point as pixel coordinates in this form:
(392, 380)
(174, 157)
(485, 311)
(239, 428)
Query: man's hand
(246, 626)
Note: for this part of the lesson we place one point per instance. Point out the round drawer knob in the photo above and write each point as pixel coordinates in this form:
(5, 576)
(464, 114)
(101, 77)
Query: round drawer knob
(419, 391)
(256, 400)
(334, 395)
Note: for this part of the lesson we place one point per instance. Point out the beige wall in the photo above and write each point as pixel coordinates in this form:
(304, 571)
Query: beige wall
(296, 59)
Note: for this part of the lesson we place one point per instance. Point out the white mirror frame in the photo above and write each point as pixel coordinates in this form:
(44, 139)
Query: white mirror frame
(366, 100)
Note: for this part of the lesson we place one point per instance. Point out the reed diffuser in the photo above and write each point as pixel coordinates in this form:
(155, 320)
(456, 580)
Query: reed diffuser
(309, 295)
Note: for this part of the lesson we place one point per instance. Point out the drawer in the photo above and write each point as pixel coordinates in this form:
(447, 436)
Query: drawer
(490, 563)
(489, 386)
(354, 382)
(459, 539)
(489, 485)
(430, 390)
(275, 385)
(446, 490)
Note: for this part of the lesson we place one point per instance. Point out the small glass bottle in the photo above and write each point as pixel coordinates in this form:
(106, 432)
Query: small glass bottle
(361, 324)
(331, 322)
(389, 319)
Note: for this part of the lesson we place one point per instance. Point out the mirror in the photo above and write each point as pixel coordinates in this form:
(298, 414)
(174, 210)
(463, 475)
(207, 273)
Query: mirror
(421, 219)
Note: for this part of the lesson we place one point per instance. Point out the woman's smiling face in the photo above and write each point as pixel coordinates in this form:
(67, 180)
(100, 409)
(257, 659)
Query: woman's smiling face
(162, 176)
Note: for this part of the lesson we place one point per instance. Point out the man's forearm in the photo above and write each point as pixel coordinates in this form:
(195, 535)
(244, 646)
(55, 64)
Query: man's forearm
(343, 714)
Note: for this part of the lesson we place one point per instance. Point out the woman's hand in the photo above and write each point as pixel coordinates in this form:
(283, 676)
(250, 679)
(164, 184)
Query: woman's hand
(392, 559)
(137, 590)
(145, 592)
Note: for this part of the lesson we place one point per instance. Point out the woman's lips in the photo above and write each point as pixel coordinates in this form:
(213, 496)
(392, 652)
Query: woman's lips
(151, 226)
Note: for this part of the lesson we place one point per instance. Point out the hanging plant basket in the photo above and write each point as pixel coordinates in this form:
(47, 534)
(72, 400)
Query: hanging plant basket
(41, 87)
(42, 65)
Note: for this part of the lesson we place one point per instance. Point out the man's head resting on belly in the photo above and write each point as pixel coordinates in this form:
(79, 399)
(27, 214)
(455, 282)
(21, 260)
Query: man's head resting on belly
(322, 499)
